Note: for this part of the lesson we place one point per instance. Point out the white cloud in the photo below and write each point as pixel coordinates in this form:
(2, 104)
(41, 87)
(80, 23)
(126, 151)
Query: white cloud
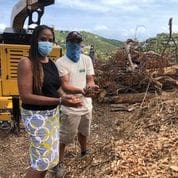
(83, 5)
(106, 6)
(110, 18)
(175, 28)
(121, 4)
(101, 28)
(78, 29)
(139, 32)
(2, 27)
(127, 33)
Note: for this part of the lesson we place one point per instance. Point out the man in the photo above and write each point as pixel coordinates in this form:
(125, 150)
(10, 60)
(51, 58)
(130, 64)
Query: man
(76, 73)
(92, 53)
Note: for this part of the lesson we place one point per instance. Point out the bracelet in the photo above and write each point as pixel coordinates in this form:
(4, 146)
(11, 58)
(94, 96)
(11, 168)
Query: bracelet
(60, 100)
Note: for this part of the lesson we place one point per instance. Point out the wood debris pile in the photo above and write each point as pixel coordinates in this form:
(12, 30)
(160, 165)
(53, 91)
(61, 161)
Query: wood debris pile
(144, 60)
(135, 72)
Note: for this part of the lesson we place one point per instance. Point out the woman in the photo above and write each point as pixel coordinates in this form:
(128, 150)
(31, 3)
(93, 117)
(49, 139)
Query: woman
(38, 83)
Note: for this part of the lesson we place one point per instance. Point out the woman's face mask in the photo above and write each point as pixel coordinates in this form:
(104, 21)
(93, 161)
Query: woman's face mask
(44, 47)
(73, 51)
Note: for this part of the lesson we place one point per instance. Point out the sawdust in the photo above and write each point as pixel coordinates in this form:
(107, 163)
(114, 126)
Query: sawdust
(141, 143)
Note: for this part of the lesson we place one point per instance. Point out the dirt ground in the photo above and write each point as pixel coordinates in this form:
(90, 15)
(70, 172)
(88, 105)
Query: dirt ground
(141, 143)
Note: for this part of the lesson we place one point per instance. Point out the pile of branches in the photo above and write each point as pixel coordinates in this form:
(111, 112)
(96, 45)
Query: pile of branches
(147, 73)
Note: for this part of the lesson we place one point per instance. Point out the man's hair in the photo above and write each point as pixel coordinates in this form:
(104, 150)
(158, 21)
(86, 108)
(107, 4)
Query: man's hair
(74, 37)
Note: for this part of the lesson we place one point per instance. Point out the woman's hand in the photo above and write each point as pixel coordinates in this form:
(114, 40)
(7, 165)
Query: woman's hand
(71, 101)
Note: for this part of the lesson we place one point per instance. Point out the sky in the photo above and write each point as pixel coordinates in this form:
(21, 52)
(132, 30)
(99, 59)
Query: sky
(114, 19)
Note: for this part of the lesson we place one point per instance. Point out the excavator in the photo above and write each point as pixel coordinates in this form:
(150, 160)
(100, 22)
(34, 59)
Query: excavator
(15, 43)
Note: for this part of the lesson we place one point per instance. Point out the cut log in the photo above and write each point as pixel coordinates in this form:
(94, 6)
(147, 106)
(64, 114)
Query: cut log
(128, 98)
(102, 95)
(132, 65)
(167, 82)
(123, 107)
(171, 71)
(167, 71)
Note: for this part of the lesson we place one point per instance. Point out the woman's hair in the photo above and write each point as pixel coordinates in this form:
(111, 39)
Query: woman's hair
(34, 56)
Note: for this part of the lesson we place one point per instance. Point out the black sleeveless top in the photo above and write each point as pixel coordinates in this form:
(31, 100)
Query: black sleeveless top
(50, 86)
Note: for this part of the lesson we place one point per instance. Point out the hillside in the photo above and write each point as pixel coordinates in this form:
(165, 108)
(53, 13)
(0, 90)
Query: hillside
(104, 47)
(161, 42)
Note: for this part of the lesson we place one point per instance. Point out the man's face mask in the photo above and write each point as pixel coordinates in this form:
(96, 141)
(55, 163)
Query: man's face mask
(44, 47)
(73, 51)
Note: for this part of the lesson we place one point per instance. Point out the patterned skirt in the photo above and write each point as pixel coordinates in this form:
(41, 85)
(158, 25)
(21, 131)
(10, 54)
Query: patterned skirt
(43, 130)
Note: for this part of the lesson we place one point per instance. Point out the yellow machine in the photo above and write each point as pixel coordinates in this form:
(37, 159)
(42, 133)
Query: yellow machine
(14, 43)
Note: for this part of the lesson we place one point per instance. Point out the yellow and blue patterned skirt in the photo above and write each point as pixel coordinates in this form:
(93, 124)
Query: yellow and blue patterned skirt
(43, 130)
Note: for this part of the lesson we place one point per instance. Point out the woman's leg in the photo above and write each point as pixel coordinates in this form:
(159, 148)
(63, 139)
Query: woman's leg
(43, 130)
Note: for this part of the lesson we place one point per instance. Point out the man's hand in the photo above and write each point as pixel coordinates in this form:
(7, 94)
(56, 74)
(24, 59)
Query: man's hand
(93, 87)
(91, 90)
(71, 101)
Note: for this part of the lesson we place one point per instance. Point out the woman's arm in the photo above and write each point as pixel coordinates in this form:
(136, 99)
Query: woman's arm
(25, 86)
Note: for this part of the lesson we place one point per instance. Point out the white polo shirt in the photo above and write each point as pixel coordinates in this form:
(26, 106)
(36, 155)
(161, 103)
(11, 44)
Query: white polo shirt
(77, 77)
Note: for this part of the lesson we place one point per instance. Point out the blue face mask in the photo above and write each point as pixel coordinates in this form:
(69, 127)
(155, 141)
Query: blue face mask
(44, 47)
(73, 51)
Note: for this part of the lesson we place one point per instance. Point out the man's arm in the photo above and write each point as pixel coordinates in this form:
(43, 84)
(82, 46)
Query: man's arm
(69, 88)
(91, 83)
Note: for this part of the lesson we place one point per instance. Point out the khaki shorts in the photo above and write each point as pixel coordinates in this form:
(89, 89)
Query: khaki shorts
(70, 125)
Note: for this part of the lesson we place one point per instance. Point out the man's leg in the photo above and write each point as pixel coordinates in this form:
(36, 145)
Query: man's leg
(83, 142)
(84, 132)
(68, 130)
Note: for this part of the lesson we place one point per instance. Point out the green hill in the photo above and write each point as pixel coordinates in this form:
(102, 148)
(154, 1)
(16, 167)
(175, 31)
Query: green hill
(161, 42)
(104, 47)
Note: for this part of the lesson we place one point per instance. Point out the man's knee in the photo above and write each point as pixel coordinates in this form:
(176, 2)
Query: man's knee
(68, 138)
